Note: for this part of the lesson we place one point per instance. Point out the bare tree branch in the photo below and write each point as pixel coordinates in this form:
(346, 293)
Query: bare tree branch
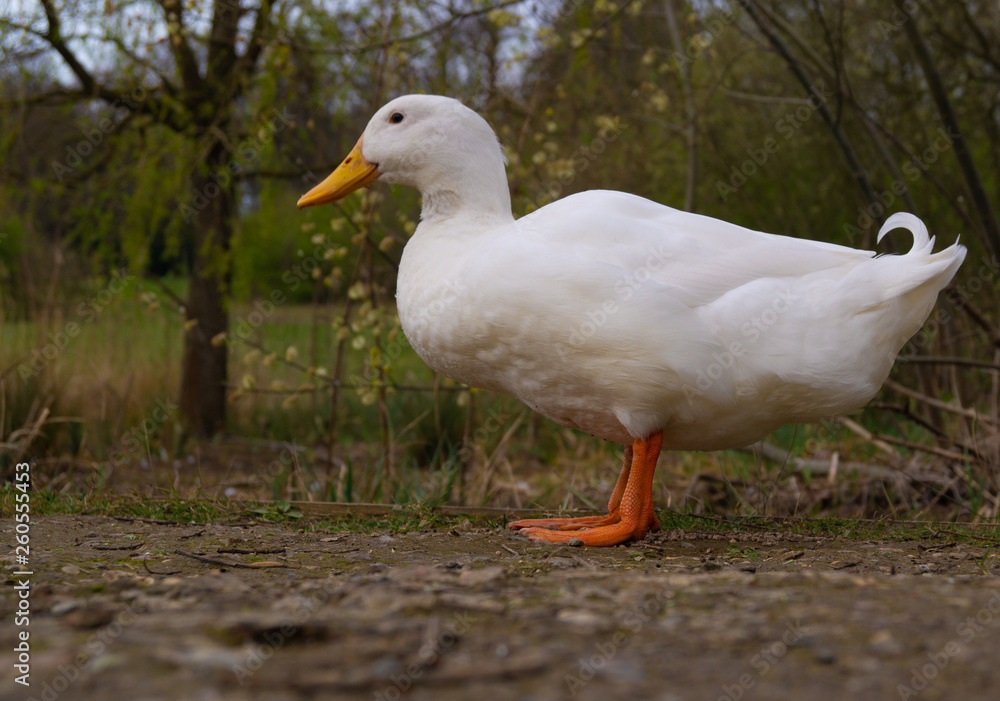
(55, 39)
(90, 88)
(168, 86)
(690, 109)
(857, 170)
(261, 27)
(990, 227)
(453, 18)
(187, 64)
(838, 77)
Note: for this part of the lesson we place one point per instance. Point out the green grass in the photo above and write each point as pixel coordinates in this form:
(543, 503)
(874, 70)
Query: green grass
(404, 519)
(105, 379)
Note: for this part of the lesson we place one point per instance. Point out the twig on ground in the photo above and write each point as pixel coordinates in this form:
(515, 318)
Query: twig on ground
(145, 564)
(226, 563)
(822, 467)
(157, 521)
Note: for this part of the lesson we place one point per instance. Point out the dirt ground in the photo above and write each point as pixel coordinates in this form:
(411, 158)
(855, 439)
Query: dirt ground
(470, 612)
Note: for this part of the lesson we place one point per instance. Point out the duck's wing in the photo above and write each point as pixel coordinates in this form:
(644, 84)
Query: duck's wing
(699, 257)
(605, 288)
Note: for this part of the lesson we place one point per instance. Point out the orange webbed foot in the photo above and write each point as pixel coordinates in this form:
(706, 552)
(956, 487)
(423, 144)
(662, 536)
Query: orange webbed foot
(601, 536)
(582, 522)
(630, 514)
(565, 524)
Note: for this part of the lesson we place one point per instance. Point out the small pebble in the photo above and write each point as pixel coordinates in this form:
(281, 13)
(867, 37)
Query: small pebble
(384, 666)
(826, 656)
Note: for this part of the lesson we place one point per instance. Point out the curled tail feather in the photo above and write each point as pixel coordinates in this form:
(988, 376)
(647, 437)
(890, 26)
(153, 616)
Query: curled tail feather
(922, 242)
(921, 271)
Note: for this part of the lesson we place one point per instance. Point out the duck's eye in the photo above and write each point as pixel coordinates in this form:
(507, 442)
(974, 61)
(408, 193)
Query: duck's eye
(396, 117)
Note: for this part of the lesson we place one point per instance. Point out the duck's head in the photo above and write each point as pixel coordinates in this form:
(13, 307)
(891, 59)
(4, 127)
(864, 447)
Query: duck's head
(435, 144)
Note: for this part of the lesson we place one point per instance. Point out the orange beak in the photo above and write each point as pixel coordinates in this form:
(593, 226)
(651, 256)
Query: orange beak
(353, 174)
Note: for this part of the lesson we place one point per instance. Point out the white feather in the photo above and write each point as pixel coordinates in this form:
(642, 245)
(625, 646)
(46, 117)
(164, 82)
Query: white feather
(621, 317)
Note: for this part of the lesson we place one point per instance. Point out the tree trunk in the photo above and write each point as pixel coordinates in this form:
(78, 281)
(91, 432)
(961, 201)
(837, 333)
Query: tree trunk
(198, 107)
(203, 378)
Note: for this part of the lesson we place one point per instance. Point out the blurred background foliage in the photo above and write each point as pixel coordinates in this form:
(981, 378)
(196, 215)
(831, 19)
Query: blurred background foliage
(811, 119)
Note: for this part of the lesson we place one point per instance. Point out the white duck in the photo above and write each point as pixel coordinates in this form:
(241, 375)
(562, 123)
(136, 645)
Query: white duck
(629, 320)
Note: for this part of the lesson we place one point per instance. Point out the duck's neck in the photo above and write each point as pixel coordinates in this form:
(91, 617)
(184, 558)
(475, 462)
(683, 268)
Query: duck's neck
(477, 191)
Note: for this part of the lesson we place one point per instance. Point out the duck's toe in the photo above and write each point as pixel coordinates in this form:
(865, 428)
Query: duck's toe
(613, 534)
(565, 524)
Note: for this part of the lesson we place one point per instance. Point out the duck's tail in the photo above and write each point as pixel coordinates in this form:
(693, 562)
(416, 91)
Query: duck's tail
(922, 242)
(920, 271)
(894, 295)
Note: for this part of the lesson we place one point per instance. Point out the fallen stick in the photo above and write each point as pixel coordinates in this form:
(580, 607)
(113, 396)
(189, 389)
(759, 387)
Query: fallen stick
(937, 403)
(226, 563)
(820, 467)
(934, 450)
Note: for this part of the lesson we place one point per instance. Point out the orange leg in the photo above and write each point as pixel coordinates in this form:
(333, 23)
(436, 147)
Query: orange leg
(635, 508)
(575, 524)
